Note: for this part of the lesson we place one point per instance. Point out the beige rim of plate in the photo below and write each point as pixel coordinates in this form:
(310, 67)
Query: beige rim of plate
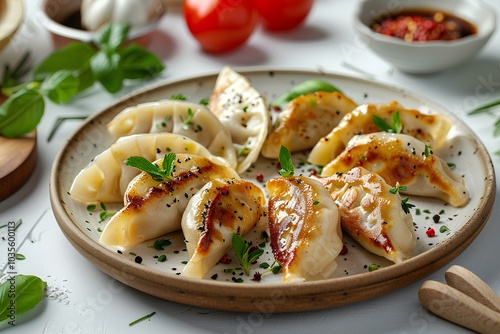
(11, 15)
(267, 298)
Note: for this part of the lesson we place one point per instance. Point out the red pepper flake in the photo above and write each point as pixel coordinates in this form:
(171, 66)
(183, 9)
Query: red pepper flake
(260, 177)
(276, 108)
(225, 259)
(430, 232)
(256, 277)
(313, 172)
(344, 250)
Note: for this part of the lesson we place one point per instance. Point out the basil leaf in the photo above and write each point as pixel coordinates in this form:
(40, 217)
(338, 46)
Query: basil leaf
(26, 291)
(138, 63)
(396, 122)
(74, 57)
(381, 124)
(21, 113)
(106, 69)
(61, 86)
(112, 36)
(306, 87)
(287, 168)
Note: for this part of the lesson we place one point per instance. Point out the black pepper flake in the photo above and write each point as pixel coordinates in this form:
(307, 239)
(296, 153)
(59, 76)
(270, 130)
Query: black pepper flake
(436, 218)
(119, 251)
(138, 259)
(214, 276)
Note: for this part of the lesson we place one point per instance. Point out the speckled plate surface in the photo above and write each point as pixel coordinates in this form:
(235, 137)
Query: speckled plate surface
(225, 287)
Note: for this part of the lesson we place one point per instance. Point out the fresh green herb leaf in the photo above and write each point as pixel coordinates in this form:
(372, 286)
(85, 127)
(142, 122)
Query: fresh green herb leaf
(243, 151)
(484, 108)
(287, 168)
(372, 267)
(427, 151)
(451, 165)
(189, 120)
(12, 78)
(276, 269)
(315, 202)
(112, 36)
(180, 97)
(20, 256)
(444, 229)
(146, 317)
(138, 63)
(242, 250)
(397, 188)
(204, 102)
(306, 87)
(264, 265)
(158, 174)
(59, 122)
(21, 113)
(406, 206)
(382, 125)
(25, 291)
(162, 258)
(160, 243)
(61, 86)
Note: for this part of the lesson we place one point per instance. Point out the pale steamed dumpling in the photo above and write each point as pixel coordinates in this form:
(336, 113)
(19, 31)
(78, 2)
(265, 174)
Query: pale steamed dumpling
(180, 117)
(106, 178)
(244, 112)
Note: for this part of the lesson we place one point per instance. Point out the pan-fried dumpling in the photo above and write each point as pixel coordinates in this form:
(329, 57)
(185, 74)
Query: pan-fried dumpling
(305, 120)
(431, 129)
(244, 112)
(106, 178)
(404, 159)
(180, 117)
(220, 209)
(154, 208)
(304, 228)
(371, 214)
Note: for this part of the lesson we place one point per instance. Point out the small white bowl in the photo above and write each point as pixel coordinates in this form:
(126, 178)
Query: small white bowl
(54, 12)
(429, 56)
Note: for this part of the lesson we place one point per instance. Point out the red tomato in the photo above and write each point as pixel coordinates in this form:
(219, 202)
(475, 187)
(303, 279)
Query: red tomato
(220, 25)
(283, 14)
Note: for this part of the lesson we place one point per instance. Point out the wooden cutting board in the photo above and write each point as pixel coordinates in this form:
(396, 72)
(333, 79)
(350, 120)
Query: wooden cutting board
(18, 158)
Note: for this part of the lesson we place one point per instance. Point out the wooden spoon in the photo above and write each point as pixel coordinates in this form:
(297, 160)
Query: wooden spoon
(459, 308)
(465, 281)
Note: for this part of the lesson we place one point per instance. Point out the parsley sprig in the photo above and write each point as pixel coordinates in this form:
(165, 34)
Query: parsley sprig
(394, 127)
(245, 253)
(287, 168)
(159, 174)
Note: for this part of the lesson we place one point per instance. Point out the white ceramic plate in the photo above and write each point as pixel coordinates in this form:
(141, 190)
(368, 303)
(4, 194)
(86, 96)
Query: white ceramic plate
(352, 282)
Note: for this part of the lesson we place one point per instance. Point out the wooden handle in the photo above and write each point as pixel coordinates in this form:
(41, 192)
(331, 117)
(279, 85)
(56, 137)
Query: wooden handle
(465, 281)
(459, 308)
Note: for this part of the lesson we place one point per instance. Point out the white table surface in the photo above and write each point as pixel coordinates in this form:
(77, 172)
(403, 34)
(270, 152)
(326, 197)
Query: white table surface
(82, 299)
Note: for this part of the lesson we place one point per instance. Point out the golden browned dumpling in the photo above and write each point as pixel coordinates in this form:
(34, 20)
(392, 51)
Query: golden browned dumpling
(220, 209)
(305, 120)
(402, 159)
(154, 208)
(431, 129)
(304, 228)
(371, 214)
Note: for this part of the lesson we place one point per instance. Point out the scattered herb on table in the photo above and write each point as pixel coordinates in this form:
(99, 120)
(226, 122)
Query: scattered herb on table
(488, 108)
(160, 243)
(160, 174)
(146, 317)
(245, 253)
(69, 71)
(26, 291)
(397, 188)
(406, 206)
(105, 213)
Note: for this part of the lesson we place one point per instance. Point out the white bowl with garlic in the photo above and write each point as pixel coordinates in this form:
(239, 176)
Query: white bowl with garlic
(80, 19)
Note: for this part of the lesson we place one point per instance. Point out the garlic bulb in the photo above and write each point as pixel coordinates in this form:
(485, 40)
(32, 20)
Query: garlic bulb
(97, 13)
